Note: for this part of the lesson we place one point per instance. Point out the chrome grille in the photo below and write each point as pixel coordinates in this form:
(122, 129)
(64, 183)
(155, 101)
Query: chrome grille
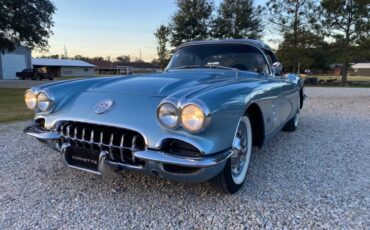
(119, 143)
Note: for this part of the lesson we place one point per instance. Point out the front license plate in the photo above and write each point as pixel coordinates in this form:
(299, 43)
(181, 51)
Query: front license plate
(82, 158)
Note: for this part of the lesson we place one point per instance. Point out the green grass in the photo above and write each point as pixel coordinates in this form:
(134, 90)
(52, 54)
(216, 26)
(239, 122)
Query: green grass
(339, 78)
(12, 107)
(349, 78)
(352, 81)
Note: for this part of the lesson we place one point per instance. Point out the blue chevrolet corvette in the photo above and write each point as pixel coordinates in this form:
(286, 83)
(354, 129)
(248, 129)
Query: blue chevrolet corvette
(196, 121)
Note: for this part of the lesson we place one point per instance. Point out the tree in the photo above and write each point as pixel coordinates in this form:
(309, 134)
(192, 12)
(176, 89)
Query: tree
(124, 58)
(295, 19)
(25, 22)
(98, 58)
(161, 35)
(238, 19)
(191, 21)
(310, 49)
(348, 23)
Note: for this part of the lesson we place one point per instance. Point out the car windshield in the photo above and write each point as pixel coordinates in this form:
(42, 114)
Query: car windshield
(226, 56)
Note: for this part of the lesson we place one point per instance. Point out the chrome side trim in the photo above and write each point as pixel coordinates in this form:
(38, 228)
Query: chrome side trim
(161, 157)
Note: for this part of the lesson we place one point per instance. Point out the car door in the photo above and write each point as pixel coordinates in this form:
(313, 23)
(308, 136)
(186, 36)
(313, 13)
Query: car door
(281, 96)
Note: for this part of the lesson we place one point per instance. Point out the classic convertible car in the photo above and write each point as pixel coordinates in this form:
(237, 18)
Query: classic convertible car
(196, 121)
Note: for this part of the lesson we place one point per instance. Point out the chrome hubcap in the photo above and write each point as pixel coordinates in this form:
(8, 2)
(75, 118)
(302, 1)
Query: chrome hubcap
(240, 149)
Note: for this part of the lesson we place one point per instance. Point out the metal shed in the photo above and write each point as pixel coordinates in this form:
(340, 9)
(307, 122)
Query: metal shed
(14, 61)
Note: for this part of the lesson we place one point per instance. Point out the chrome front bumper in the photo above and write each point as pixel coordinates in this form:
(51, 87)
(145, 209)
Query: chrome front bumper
(205, 168)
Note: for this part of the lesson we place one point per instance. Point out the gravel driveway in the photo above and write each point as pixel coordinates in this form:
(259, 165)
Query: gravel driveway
(317, 177)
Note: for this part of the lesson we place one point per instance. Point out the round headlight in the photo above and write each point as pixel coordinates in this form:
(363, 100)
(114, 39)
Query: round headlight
(43, 102)
(30, 99)
(167, 115)
(192, 118)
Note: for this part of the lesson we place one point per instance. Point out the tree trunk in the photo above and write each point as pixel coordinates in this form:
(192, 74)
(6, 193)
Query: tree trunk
(344, 72)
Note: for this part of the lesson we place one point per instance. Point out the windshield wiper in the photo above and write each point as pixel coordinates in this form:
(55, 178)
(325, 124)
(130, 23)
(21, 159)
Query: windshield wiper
(187, 67)
(221, 67)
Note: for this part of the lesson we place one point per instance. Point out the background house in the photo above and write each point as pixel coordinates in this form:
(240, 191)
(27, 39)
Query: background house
(64, 67)
(105, 67)
(360, 69)
(15, 61)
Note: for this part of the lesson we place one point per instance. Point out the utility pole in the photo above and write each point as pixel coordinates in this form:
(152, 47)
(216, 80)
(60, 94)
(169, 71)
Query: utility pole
(65, 52)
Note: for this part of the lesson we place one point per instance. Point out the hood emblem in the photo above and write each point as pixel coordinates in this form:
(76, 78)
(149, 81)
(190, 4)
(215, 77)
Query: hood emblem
(103, 106)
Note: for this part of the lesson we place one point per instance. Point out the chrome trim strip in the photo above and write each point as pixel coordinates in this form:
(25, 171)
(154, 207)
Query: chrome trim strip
(157, 156)
(41, 134)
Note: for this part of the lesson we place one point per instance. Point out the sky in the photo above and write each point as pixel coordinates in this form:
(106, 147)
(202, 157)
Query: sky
(109, 27)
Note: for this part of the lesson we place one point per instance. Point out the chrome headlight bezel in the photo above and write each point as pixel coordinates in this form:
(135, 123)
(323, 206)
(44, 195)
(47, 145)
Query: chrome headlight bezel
(30, 99)
(44, 102)
(175, 115)
(206, 118)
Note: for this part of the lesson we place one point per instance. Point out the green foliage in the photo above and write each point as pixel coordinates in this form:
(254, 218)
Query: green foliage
(310, 51)
(124, 58)
(298, 21)
(161, 35)
(26, 22)
(348, 23)
(191, 21)
(294, 16)
(238, 19)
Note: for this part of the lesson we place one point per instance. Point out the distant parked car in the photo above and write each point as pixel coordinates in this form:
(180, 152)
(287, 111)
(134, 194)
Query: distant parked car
(33, 74)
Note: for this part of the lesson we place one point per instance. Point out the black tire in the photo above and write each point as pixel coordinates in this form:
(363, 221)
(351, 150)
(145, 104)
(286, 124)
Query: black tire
(50, 78)
(292, 124)
(226, 181)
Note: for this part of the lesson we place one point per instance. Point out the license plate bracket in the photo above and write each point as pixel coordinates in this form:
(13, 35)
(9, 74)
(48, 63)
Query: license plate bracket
(82, 158)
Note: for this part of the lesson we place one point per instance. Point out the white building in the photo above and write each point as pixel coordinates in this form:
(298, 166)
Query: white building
(15, 61)
(65, 67)
(361, 69)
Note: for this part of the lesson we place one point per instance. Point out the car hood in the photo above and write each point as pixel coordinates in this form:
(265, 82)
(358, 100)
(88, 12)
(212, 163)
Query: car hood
(166, 83)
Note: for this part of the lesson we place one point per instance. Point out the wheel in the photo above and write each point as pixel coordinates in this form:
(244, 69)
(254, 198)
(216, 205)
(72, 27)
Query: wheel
(232, 178)
(292, 124)
(50, 78)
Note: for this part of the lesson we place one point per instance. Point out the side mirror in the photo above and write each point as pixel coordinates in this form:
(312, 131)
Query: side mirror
(277, 68)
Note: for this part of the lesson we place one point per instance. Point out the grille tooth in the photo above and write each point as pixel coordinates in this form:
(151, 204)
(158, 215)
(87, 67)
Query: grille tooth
(111, 140)
(133, 143)
(92, 136)
(110, 146)
(83, 134)
(68, 130)
(101, 140)
(121, 147)
(62, 129)
(133, 146)
(118, 142)
(75, 132)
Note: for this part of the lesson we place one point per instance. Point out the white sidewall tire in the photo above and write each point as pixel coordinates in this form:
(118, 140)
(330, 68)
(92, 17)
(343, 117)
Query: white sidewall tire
(239, 179)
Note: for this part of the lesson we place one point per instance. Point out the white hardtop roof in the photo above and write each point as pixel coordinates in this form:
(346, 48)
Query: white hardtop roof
(361, 66)
(60, 62)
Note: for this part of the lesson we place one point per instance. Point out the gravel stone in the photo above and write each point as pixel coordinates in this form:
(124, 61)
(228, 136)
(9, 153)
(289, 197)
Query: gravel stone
(316, 177)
